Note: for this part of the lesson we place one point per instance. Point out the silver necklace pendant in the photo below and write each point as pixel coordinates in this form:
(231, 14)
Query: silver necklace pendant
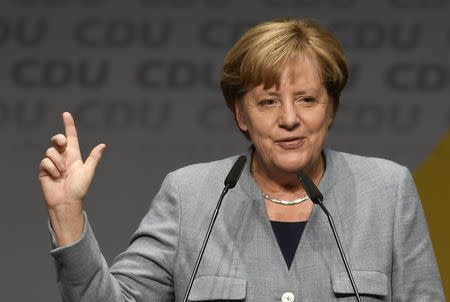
(285, 202)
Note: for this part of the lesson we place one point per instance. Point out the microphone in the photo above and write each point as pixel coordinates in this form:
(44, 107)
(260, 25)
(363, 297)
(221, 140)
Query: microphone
(317, 197)
(229, 183)
(235, 172)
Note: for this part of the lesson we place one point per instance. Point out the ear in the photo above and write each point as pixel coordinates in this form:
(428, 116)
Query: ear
(330, 119)
(240, 115)
(331, 113)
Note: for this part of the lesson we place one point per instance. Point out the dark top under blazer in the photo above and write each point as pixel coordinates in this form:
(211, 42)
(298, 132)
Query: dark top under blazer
(377, 214)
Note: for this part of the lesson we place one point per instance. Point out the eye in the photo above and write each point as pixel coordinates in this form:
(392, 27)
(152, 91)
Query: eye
(308, 100)
(267, 102)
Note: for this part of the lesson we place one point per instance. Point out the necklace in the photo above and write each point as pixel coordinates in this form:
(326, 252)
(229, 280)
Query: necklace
(285, 202)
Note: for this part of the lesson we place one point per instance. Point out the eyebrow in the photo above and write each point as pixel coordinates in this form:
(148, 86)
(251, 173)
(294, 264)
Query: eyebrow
(299, 92)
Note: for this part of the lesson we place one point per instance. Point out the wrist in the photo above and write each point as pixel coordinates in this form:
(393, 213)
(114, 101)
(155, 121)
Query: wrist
(67, 224)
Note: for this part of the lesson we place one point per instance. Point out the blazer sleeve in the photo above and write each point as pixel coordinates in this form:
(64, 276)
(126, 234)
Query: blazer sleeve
(415, 276)
(144, 272)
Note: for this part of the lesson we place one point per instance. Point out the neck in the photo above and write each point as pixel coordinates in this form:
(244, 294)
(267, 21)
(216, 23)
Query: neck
(284, 184)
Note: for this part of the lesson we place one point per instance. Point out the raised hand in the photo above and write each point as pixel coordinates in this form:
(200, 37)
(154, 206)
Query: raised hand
(65, 180)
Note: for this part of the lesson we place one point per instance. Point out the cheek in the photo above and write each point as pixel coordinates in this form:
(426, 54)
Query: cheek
(260, 125)
(319, 123)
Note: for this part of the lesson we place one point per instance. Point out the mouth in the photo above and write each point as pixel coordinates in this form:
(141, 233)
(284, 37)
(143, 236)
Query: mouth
(290, 143)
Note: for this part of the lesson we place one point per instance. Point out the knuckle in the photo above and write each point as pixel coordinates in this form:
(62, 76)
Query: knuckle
(58, 139)
(42, 164)
(49, 151)
(45, 163)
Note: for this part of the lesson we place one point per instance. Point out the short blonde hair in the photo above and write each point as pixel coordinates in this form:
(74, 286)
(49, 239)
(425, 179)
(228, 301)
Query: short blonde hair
(260, 55)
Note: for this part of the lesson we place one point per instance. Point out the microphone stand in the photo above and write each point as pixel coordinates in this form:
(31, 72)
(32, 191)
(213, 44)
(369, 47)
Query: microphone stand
(317, 197)
(341, 250)
(229, 183)
(205, 241)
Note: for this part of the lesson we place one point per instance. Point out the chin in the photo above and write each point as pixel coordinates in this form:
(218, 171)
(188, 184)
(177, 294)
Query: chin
(292, 165)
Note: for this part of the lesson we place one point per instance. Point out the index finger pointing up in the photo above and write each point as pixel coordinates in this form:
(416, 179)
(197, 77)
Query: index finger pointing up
(71, 130)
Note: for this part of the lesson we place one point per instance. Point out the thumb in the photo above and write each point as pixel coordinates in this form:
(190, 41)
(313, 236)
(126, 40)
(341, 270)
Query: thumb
(94, 158)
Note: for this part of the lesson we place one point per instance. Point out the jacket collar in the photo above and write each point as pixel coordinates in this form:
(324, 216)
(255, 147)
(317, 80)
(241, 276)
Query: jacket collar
(249, 186)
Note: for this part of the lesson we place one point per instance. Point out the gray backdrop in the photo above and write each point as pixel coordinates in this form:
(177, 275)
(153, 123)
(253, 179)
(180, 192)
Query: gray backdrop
(141, 76)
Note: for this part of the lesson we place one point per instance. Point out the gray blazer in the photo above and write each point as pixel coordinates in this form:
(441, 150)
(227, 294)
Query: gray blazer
(377, 214)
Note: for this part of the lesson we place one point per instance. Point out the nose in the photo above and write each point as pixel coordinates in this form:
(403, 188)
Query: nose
(288, 118)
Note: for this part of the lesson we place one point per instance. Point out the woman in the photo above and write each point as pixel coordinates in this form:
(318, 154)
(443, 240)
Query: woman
(282, 80)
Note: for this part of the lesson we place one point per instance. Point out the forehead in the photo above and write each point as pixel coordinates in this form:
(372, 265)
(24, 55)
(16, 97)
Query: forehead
(301, 73)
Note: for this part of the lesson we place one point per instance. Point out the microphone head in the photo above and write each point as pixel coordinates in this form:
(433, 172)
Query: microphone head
(235, 172)
(310, 188)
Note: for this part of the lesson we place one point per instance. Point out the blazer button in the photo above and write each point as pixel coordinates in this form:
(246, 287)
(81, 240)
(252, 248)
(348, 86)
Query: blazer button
(288, 297)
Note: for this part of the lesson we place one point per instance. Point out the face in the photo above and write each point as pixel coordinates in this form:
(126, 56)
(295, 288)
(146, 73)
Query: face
(288, 122)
